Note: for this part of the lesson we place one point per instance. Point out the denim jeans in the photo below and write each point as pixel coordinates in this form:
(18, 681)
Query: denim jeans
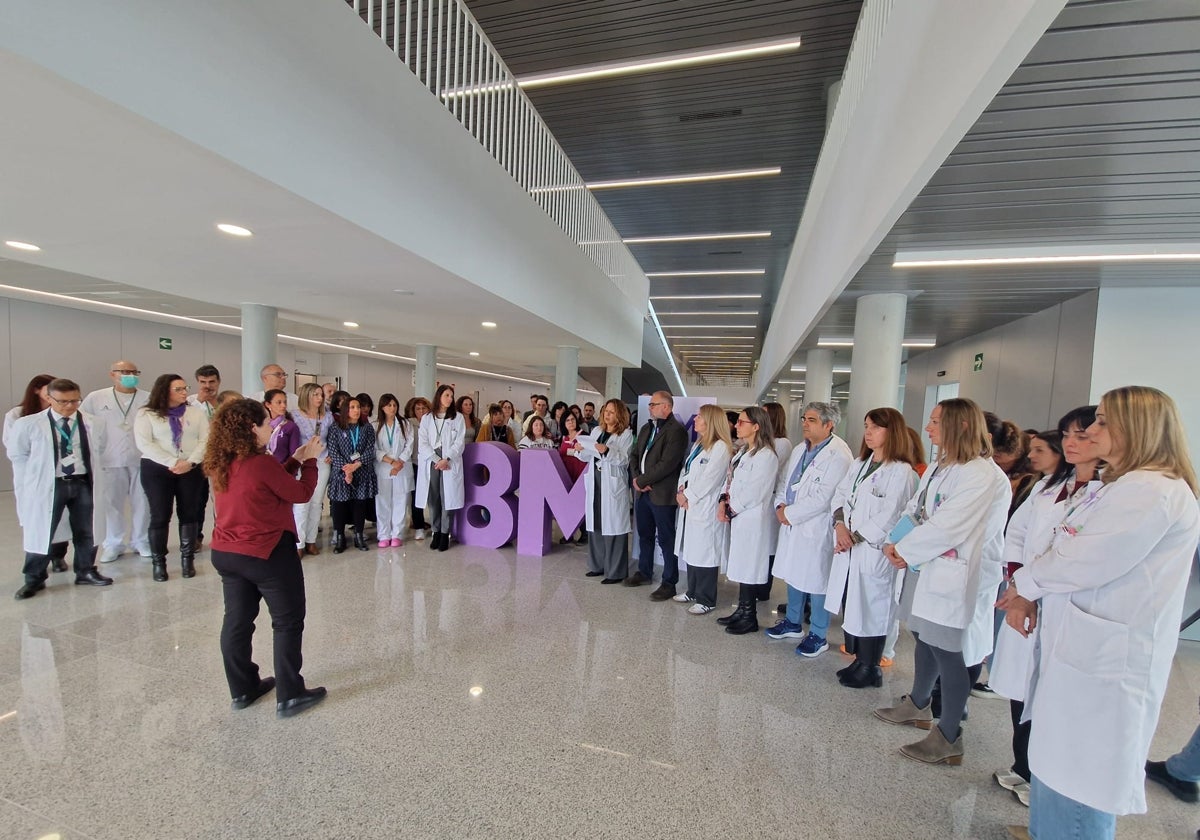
(1053, 816)
(656, 520)
(1185, 764)
(795, 611)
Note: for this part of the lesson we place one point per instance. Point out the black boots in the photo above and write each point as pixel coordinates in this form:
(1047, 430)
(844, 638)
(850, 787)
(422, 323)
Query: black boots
(745, 620)
(157, 538)
(339, 542)
(440, 541)
(187, 548)
(865, 671)
(360, 542)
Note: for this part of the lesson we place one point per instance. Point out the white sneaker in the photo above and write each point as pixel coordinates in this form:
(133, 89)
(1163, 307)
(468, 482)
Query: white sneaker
(109, 553)
(1021, 791)
(682, 598)
(143, 549)
(700, 609)
(1008, 780)
(419, 534)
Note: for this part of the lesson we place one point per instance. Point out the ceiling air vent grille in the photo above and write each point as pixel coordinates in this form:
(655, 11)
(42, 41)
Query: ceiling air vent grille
(710, 115)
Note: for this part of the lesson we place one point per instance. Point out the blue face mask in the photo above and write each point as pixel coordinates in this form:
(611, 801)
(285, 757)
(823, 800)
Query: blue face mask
(128, 380)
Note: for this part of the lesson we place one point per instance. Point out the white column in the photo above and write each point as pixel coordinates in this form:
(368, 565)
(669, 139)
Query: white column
(612, 382)
(426, 371)
(259, 344)
(875, 359)
(818, 375)
(566, 375)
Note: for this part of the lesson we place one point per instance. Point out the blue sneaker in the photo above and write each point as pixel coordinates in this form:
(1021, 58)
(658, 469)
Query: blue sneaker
(784, 629)
(812, 646)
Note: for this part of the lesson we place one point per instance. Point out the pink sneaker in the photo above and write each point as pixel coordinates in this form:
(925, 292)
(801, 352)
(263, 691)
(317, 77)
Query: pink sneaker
(384, 543)
(397, 543)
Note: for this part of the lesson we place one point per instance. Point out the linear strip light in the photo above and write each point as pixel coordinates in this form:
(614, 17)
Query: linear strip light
(733, 272)
(1157, 252)
(697, 237)
(699, 177)
(801, 369)
(701, 336)
(231, 328)
(669, 61)
(663, 338)
(739, 314)
(849, 342)
(710, 326)
(706, 297)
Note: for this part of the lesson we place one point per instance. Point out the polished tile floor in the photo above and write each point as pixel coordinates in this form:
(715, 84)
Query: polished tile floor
(472, 694)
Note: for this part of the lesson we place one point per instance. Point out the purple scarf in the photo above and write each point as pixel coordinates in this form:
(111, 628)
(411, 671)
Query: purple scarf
(175, 418)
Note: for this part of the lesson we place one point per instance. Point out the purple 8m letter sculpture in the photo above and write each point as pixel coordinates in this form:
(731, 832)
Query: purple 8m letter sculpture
(490, 479)
(546, 492)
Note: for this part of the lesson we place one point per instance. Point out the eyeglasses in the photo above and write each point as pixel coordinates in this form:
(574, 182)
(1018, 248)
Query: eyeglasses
(281, 375)
(746, 422)
(182, 390)
(656, 404)
(127, 372)
(57, 401)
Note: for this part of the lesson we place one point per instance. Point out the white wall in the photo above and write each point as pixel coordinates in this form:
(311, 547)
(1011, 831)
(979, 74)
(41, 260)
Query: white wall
(1034, 369)
(1144, 337)
(82, 345)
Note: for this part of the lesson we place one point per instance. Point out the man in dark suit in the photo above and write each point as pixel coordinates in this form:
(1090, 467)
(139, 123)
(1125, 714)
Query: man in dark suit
(655, 463)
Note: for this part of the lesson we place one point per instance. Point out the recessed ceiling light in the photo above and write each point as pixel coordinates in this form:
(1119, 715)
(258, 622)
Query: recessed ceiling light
(21, 246)
(697, 237)
(234, 230)
(667, 61)
(733, 272)
(491, 325)
(1157, 252)
(403, 291)
(473, 353)
(699, 177)
(351, 324)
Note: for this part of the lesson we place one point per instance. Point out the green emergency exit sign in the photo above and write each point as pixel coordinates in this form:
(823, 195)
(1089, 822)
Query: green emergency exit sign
(978, 362)
(164, 344)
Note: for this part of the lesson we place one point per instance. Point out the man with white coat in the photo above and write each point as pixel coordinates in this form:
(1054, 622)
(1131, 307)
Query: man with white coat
(115, 408)
(805, 553)
(55, 454)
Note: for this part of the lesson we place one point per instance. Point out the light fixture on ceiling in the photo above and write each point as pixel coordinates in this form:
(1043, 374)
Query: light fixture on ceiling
(733, 272)
(473, 353)
(1049, 255)
(351, 324)
(706, 297)
(667, 61)
(696, 178)
(21, 246)
(801, 369)
(732, 314)
(491, 325)
(696, 237)
(404, 291)
(849, 342)
(666, 347)
(234, 230)
(709, 326)
(701, 336)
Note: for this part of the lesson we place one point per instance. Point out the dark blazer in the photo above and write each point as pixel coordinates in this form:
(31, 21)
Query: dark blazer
(664, 460)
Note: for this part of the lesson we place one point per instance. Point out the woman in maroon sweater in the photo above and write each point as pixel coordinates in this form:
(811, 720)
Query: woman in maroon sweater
(254, 550)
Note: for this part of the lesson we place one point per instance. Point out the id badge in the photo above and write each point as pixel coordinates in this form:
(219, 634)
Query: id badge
(68, 461)
(354, 456)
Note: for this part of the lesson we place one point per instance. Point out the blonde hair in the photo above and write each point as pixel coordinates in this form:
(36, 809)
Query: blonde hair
(304, 400)
(1147, 432)
(622, 411)
(716, 427)
(964, 432)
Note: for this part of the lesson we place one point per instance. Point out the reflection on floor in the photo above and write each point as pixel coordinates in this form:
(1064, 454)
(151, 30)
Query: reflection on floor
(473, 694)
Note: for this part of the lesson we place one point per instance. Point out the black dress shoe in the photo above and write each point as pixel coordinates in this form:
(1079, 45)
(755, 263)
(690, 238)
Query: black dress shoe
(29, 590)
(592, 574)
(637, 579)
(92, 578)
(244, 700)
(59, 564)
(664, 592)
(1183, 790)
(310, 697)
(613, 580)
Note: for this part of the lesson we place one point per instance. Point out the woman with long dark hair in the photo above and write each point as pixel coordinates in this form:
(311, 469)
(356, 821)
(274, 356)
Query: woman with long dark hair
(440, 489)
(352, 481)
(414, 410)
(171, 435)
(394, 440)
(253, 549)
(465, 406)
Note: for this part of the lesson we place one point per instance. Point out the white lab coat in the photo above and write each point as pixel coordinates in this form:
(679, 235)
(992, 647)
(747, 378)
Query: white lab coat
(750, 495)
(806, 546)
(958, 549)
(615, 491)
(31, 448)
(102, 406)
(1029, 534)
(1111, 591)
(783, 451)
(700, 538)
(862, 574)
(63, 533)
(453, 442)
(400, 448)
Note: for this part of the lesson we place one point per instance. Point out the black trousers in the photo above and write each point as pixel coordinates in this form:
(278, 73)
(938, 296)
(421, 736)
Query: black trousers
(74, 496)
(1020, 740)
(187, 494)
(279, 580)
(353, 513)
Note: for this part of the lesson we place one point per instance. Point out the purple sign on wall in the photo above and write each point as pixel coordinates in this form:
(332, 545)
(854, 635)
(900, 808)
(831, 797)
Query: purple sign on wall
(490, 473)
(546, 494)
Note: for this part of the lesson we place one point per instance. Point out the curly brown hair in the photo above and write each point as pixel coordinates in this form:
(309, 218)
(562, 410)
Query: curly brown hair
(230, 437)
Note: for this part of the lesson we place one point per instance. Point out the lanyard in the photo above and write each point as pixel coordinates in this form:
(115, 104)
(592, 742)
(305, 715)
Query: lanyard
(696, 450)
(865, 471)
(124, 408)
(353, 434)
(66, 434)
(391, 435)
(925, 492)
(208, 409)
(438, 427)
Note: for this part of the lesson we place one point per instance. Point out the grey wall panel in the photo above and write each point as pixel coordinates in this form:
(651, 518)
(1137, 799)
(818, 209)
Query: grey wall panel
(140, 345)
(12, 389)
(223, 352)
(64, 342)
(1073, 357)
(980, 385)
(1026, 369)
